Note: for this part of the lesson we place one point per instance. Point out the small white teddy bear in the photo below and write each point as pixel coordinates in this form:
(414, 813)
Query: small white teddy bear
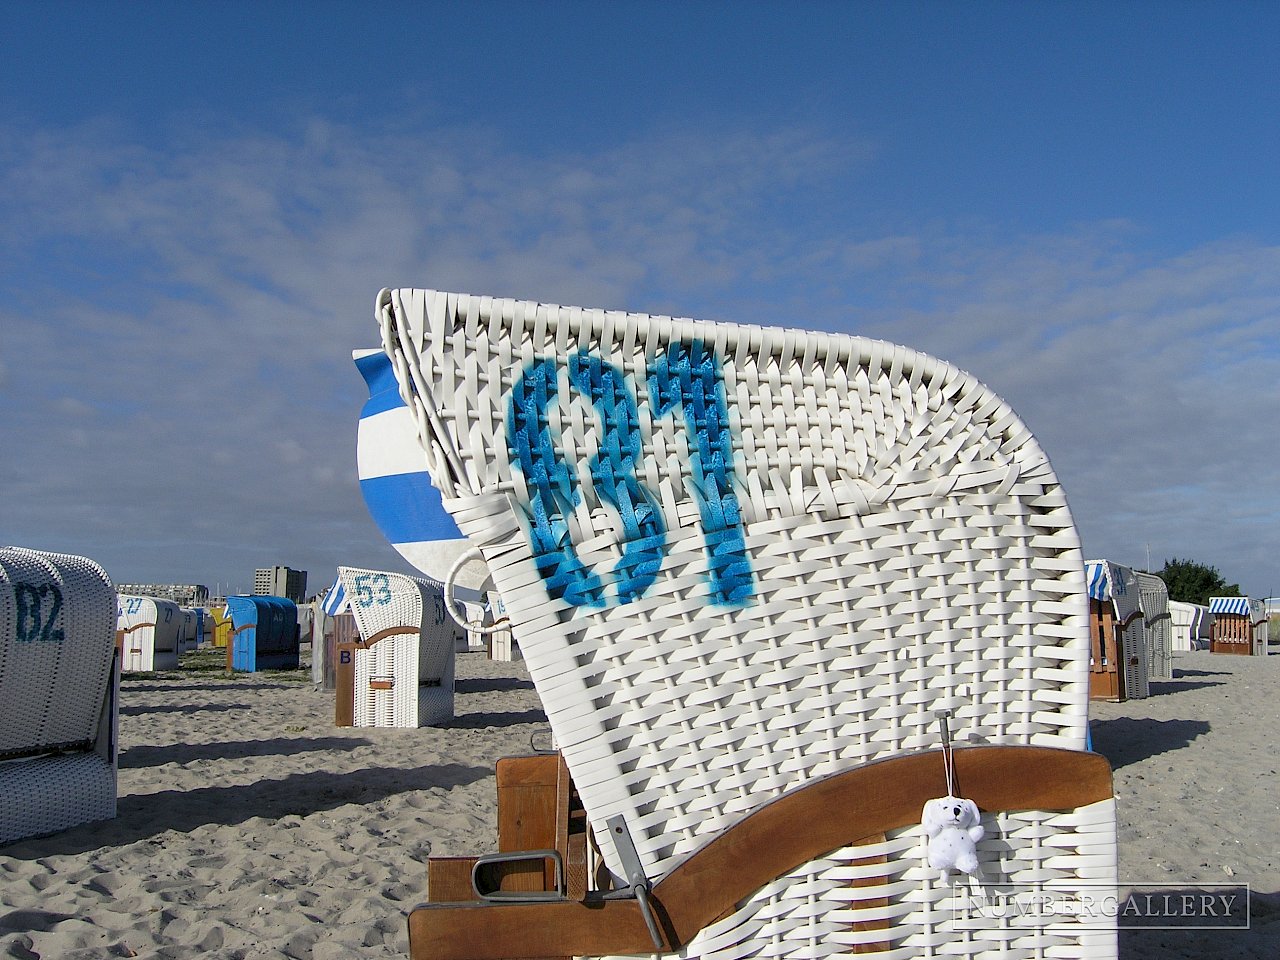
(953, 828)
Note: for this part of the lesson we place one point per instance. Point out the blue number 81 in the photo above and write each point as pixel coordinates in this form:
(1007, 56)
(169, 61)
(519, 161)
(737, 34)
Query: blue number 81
(687, 376)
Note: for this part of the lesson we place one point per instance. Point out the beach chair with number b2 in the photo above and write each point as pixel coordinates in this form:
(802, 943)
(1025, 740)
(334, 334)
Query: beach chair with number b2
(59, 678)
(752, 571)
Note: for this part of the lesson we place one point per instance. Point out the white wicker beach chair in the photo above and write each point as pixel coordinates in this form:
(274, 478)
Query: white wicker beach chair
(498, 635)
(1157, 625)
(747, 568)
(404, 665)
(58, 684)
(1190, 625)
(150, 632)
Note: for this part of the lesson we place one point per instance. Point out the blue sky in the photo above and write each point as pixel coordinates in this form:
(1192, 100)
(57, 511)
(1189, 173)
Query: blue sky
(1076, 202)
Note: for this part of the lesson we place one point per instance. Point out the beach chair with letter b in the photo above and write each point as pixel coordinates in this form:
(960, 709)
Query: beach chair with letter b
(400, 671)
(59, 676)
(776, 590)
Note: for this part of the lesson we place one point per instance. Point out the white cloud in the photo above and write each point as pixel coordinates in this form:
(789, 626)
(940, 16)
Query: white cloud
(190, 312)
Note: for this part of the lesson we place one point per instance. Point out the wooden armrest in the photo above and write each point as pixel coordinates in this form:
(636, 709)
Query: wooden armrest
(449, 879)
(824, 815)
(538, 809)
(388, 634)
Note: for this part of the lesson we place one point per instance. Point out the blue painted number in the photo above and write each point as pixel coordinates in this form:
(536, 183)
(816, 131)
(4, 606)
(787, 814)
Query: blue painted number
(687, 376)
(34, 624)
(613, 474)
(372, 589)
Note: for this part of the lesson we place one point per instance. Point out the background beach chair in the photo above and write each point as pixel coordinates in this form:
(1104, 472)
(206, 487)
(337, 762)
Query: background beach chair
(1157, 625)
(192, 630)
(264, 634)
(332, 624)
(148, 633)
(401, 672)
(58, 684)
(220, 626)
(1192, 625)
(1240, 626)
(498, 638)
(333, 627)
(747, 568)
(1119, 667)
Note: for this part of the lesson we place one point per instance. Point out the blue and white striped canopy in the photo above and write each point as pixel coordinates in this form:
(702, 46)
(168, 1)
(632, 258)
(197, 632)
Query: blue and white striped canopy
(391, 465)
(335, 601)
(1097, 580)
(1230, 605)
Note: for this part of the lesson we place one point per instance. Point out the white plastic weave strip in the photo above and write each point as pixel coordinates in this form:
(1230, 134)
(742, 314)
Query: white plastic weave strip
(737, 558)
(405, 680)
(57, 639)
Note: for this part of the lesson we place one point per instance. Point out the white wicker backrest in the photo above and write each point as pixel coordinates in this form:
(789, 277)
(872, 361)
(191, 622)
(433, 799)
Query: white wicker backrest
(57, 634)
(137, 616)
(381, 600)
(738, 558)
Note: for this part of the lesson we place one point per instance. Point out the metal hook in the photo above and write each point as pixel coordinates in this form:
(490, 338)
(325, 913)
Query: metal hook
(944, 718)
(948, 755)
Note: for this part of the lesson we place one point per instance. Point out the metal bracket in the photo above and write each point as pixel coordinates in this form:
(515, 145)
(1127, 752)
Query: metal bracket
(636, 878)
(519, 895)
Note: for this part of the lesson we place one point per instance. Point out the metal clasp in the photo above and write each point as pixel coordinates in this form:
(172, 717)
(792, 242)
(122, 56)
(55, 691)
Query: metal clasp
(636, 878)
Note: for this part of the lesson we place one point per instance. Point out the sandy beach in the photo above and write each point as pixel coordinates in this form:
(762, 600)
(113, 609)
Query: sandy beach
(249, 826)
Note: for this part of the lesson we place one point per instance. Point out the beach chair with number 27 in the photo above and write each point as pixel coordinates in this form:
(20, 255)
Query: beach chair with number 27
(752, 571)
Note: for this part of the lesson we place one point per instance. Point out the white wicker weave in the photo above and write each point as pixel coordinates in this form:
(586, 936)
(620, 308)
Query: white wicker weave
(737, 559)
(58, 685)
(407, 679)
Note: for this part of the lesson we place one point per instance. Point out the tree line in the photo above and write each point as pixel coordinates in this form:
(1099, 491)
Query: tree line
(1192, 582)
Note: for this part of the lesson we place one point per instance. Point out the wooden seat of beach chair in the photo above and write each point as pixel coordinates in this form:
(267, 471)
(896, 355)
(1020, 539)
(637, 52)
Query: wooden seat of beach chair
(401, 672)
(748, 568)
(857, 808)
(58, 683)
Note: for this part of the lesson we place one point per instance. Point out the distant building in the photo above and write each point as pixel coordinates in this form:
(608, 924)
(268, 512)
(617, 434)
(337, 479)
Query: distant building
(183, 594)
(280, 582)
